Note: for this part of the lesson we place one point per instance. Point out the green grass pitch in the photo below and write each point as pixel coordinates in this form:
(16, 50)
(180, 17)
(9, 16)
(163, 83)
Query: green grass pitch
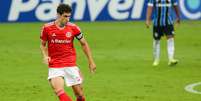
(123, 54)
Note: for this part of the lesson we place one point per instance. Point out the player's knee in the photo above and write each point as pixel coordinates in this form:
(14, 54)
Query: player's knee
(57, 88)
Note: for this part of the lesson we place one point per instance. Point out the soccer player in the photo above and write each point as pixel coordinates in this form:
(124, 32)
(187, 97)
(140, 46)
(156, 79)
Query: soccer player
(162, 25)
(59, 53)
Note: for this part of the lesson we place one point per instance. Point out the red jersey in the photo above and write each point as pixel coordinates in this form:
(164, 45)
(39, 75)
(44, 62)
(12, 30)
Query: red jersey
(60, 44)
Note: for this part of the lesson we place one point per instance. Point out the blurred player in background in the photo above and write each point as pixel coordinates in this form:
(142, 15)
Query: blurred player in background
(59, 53)
(162, 25)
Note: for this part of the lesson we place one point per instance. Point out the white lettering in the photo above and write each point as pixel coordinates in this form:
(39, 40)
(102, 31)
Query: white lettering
(137, 9)
(163, 5)
(80, 8)
(57, 41)
(47, 11)
(117, 10)
(17, 6)
(95, 7)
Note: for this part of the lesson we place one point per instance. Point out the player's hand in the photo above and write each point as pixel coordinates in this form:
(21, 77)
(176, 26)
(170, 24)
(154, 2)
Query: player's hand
(178, 21)
(46, 60)
(92, 67)
(148, 23)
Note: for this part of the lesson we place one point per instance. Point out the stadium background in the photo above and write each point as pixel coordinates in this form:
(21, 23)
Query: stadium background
(121, 45)
(87, 10)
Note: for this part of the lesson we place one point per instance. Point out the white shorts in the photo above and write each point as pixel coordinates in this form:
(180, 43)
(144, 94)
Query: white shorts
(72, 75)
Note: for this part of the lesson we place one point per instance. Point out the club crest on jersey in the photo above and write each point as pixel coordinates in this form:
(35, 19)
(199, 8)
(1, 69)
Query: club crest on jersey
(53, 34)
(68, 34)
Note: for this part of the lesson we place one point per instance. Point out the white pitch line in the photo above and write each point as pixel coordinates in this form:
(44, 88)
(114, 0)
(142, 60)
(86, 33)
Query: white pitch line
(190, 88)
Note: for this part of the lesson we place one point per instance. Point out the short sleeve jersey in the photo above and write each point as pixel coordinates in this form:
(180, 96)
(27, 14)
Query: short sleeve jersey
(60, 44)
(162, 11)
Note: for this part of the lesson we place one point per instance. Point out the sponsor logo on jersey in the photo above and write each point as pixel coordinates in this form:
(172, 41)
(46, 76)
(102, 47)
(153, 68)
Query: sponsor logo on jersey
(89, 10)
(163, 5)
(57, 41)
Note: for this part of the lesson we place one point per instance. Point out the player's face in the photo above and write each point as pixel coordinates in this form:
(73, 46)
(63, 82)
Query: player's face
(65, 17)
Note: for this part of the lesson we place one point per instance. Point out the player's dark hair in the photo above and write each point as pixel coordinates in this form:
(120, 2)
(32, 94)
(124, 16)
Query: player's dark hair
(64, 8)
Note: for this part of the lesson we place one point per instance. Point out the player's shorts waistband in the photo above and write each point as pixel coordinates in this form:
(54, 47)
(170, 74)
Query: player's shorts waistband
(64, 67)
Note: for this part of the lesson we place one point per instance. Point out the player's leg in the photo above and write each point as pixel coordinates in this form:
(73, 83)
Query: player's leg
(78, 91)
(55, 77)
(157, 33)
(170, 46)
(57, 84)
(156, 52)
(74, 79)
(169, 30)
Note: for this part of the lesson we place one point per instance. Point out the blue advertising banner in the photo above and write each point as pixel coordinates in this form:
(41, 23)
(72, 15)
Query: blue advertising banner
(87, 10)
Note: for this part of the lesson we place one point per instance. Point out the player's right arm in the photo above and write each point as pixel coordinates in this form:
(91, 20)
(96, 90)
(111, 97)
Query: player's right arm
(43, 47)
(44, 52)
(149, 13)
(176, 8)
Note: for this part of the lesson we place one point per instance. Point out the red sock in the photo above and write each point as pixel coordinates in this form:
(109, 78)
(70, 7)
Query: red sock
(63, 96)
(80, 98)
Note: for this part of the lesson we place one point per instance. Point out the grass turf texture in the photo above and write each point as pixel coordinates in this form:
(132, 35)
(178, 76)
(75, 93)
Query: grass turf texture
(123, 54)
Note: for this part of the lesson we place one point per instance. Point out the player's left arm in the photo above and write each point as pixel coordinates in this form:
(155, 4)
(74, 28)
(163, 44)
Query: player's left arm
(87, 51)
(150, 6)
(176, 8)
